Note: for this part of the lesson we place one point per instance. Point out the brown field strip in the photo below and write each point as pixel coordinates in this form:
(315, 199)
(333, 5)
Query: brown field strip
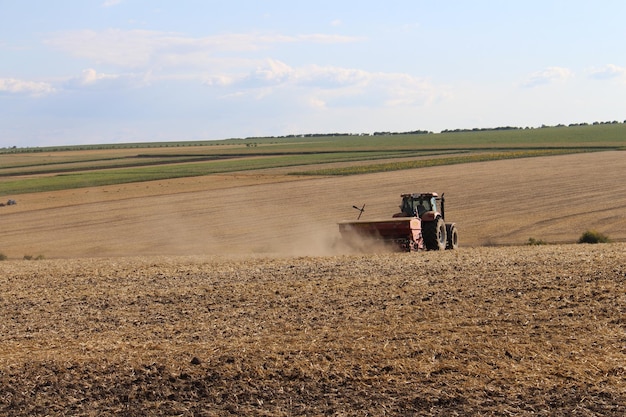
(554, 199)
(529, 330)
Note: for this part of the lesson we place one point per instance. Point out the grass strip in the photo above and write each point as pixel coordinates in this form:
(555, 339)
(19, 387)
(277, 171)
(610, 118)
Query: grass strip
(113, 176)
(451, 160)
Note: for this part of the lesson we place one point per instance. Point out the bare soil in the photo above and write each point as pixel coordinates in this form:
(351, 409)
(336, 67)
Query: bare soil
(481, 331)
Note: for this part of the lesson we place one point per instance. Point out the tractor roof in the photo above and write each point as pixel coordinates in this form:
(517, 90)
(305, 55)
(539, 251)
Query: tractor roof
(418, 195)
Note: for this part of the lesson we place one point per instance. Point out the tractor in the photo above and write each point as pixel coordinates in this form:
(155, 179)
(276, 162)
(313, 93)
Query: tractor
(420, 225)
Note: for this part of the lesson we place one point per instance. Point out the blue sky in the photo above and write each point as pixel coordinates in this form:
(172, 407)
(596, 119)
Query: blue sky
(107, 71)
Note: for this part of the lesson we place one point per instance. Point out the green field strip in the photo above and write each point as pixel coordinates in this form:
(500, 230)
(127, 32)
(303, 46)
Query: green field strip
(424, 163)
(163, 172)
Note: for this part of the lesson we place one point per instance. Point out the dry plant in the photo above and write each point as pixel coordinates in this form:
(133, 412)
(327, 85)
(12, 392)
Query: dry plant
(528, 330)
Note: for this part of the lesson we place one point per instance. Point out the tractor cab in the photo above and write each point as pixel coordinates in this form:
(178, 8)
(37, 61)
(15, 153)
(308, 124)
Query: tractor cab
(419, 205)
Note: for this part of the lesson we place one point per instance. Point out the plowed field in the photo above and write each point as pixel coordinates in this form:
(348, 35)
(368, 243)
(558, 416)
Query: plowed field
(225, 295)
(482, 331)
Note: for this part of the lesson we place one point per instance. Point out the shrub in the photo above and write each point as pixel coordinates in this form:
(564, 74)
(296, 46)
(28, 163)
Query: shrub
(592, 236)
(31, 257)
(532, 241)
(3, 257)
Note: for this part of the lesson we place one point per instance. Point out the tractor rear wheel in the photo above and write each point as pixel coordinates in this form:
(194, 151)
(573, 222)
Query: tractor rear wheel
(435, 234)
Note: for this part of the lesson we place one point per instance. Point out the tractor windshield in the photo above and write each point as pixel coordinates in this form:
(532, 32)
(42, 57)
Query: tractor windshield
(416, 206)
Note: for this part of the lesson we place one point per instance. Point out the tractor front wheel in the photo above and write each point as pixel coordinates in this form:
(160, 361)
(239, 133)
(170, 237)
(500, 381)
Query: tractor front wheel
(435, 234)
(453, 236)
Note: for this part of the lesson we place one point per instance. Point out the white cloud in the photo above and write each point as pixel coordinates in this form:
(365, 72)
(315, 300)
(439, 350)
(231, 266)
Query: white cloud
(137, 48)
(240, 74)
(109, 3)
(90, 76)
(223, 62)
(341, 87)
(608, 72)
(123, 48)
(345, 86)
(218, 80)
(31, 88)
(272, 72)
(547, 76)
(323, 87)
(91, 79)
(316, 103)
(325, 38)
(332, 77)
(405, 90)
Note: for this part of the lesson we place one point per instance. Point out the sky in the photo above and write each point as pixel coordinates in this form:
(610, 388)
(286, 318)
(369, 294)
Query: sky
(117, 71)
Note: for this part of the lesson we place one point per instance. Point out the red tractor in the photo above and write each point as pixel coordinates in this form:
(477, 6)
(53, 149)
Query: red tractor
(419, 225)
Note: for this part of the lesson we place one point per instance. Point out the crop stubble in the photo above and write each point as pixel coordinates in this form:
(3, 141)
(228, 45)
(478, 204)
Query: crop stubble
(481, 331)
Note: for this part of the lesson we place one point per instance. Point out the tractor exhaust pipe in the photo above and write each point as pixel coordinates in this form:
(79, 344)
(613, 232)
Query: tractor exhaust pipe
(443, 207)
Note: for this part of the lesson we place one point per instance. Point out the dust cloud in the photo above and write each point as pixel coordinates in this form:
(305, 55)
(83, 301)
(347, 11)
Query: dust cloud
(326, 242)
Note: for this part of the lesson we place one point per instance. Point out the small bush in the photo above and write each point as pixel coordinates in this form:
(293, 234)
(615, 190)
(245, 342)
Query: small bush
(592, 236)
(3, 257)
(532, 241)
(31, 257)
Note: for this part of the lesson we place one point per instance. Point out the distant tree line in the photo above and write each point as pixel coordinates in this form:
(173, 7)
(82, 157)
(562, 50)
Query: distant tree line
(413, 132)
(489, 129)
(482, 129)
(317, 135)
(136, 145)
